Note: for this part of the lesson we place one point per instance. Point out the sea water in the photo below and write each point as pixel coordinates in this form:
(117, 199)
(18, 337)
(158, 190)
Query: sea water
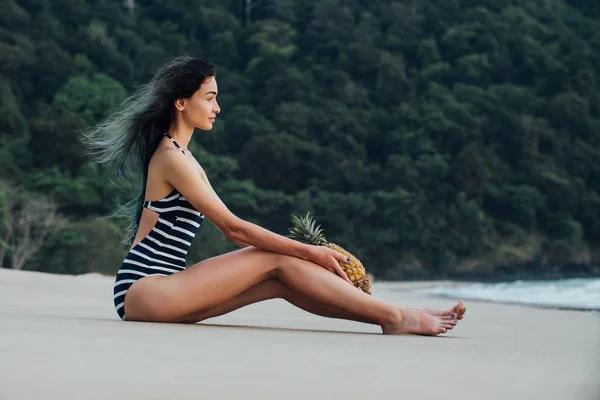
(580, 293)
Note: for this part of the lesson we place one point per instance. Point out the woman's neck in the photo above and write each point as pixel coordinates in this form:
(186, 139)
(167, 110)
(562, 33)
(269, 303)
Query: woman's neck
(181, 135)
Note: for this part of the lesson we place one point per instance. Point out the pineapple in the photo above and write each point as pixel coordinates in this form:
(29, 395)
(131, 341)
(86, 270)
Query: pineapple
(304, 230)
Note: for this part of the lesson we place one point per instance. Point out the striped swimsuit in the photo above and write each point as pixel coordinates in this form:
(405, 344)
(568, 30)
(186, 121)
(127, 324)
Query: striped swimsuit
(164, 249)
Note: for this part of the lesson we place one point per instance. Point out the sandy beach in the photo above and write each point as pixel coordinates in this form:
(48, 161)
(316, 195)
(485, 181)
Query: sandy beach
(61, 339)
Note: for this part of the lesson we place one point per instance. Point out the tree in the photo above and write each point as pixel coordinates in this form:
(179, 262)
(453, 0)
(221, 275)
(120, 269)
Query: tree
(29, 221)
(425, 135)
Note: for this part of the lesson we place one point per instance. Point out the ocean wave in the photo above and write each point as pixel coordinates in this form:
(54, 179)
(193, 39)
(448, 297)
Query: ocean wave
(580, 293)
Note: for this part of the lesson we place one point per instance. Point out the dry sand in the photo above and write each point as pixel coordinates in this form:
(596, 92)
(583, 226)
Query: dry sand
(61, 339)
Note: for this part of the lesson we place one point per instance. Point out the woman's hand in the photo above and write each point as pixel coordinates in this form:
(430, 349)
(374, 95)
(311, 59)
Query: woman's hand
(328, 259)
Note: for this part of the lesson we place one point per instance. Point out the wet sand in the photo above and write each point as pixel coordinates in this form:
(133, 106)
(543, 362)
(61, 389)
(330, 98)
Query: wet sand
(61, 339)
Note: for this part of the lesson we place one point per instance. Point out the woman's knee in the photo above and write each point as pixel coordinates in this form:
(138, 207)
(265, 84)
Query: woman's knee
(273, 262)
(288, 264)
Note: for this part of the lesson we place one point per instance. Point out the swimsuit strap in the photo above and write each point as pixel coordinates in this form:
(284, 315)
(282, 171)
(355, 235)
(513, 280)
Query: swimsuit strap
(148, 202)
(176, 144)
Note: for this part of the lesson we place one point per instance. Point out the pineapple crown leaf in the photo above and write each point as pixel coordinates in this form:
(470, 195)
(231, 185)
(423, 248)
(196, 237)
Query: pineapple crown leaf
(304, 230)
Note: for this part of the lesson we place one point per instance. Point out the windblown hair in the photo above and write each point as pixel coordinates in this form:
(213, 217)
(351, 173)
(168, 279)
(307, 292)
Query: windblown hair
(127, 139)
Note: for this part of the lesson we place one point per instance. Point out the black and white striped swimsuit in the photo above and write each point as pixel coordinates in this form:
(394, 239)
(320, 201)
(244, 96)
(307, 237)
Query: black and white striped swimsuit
(164, 249)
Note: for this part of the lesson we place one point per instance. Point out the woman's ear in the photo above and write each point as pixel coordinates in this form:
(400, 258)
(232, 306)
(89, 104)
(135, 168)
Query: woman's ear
(180, 104)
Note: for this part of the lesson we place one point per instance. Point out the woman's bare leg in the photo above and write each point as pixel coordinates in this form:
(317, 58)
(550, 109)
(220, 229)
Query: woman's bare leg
(273, 289)
(215, 281)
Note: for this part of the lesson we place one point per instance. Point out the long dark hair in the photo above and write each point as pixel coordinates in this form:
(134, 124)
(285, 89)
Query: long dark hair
(127, 139)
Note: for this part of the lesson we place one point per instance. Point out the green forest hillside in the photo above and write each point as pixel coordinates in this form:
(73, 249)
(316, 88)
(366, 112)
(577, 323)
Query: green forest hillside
(432, 138)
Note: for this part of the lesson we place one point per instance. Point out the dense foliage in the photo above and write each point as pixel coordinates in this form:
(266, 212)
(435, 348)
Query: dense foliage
(431, 138)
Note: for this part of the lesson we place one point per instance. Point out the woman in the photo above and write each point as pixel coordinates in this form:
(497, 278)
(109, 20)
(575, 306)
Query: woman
(149, 137)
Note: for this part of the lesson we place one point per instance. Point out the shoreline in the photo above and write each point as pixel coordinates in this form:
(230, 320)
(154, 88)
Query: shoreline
(522, 304)
(410, 287)
(496, 292)
(415, 288)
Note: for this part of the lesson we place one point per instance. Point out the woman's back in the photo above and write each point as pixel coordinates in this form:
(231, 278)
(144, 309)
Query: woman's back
(163, 250)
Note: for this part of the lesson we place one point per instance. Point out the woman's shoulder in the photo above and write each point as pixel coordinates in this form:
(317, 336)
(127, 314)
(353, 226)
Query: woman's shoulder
(170, 160)
(165, 155)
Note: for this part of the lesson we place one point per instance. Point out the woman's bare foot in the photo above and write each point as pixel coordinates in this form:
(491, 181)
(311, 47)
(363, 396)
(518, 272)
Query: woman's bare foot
(419, 323)
(459, 309)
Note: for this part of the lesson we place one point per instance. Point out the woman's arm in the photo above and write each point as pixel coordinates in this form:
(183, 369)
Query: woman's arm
(188, 180)
(205, 179)
(241, 244)
(237, 241)
(196, 188)
(253, 234)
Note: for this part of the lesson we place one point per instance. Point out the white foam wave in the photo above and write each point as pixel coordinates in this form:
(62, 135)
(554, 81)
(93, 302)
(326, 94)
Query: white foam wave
(580, 293)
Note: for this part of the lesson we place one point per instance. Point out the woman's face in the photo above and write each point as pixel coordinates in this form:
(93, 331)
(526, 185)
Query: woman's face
(201, 109)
